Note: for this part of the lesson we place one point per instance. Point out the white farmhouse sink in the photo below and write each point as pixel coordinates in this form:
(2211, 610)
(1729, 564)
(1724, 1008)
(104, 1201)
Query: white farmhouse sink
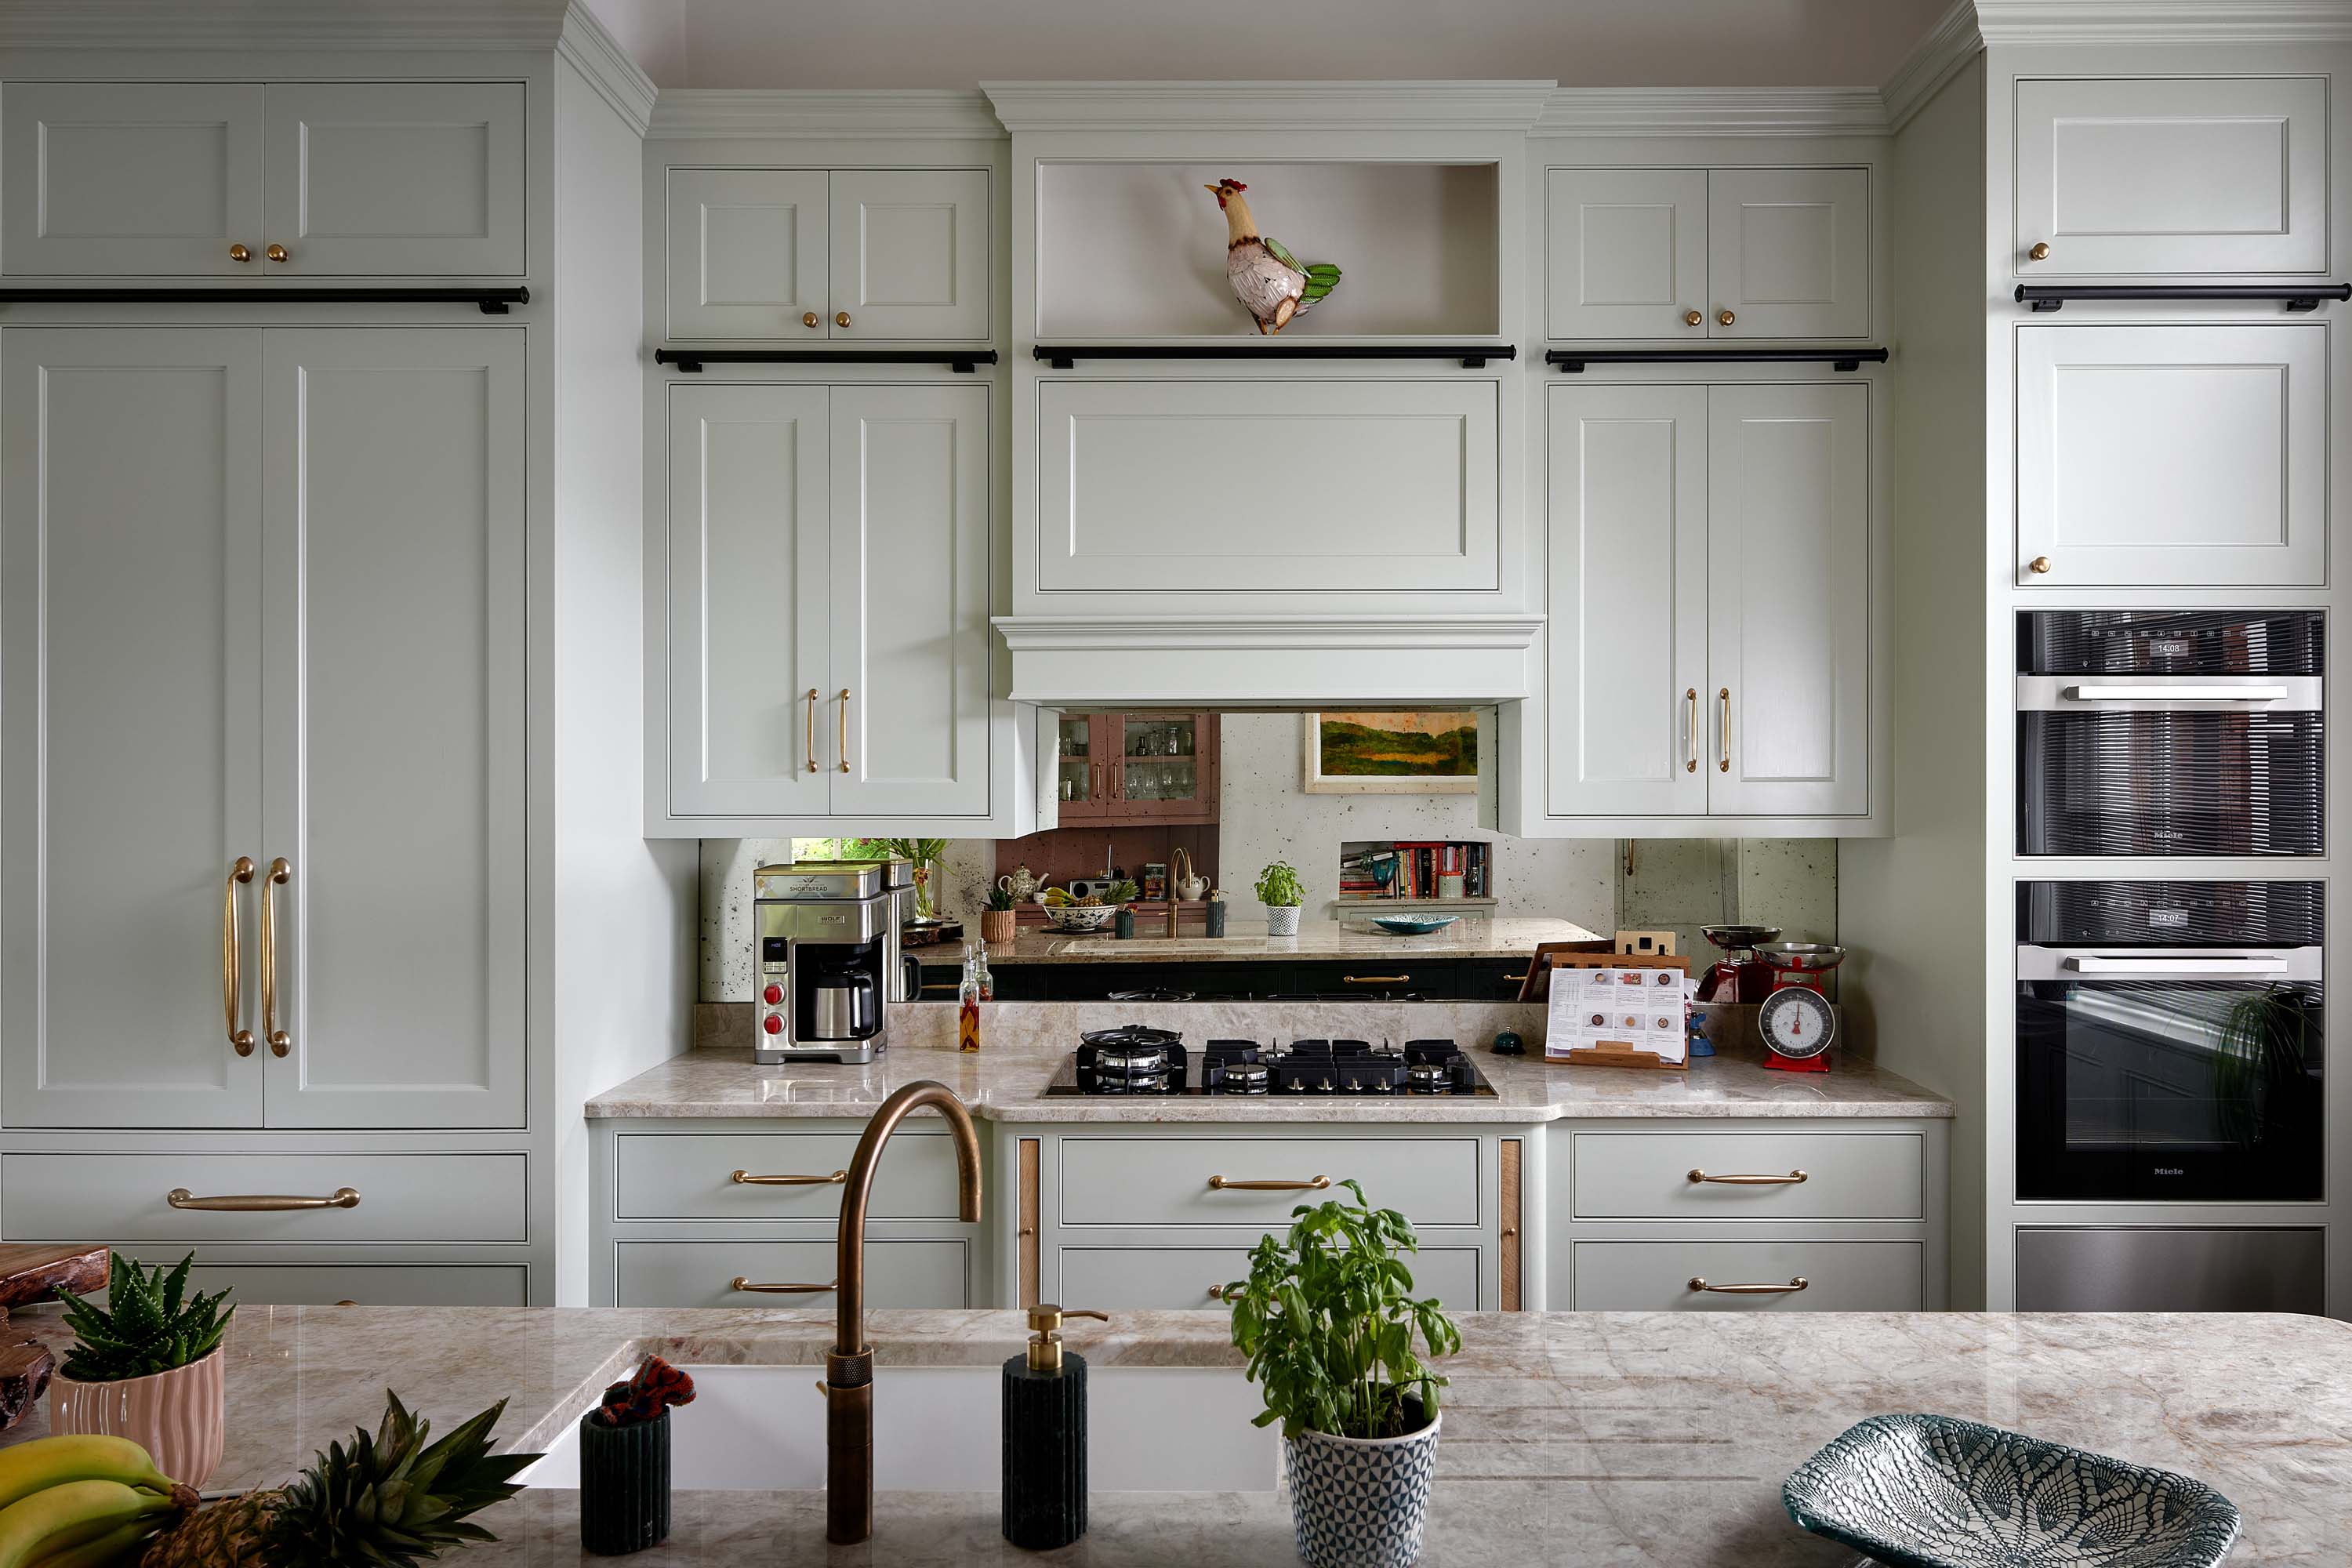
(939, 1428)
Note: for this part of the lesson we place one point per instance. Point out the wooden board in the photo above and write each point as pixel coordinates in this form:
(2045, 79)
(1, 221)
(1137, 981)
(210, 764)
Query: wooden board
(34, 1272)
(1536, 984)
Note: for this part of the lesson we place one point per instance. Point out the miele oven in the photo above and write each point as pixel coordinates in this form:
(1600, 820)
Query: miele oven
(2169, 1040)
(2169, 732)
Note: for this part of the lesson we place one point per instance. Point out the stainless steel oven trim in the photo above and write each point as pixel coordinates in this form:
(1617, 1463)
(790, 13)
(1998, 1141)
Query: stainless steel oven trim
(2179, 693)
(2123, 964)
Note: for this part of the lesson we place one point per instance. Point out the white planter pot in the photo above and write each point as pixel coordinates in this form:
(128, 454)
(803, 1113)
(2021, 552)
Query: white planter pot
(1360, 1502)
(1282, 921)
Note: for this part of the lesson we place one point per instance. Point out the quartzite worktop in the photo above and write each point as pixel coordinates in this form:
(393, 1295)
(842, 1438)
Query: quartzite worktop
(1567, 1186)
(1616, 1440)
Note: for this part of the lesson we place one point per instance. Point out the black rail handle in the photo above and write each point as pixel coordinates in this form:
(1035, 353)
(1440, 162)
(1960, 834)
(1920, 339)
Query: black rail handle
(2296, 298)
(493, 302)
(1572, 362)
(690, 361)
(1473, 356)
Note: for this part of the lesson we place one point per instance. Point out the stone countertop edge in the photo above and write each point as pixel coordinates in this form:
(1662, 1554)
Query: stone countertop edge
(1473, 935)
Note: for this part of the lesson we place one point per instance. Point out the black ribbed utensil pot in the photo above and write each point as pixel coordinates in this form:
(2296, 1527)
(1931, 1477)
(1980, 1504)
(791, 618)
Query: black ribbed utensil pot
(1044, 1454)
(624, 1485)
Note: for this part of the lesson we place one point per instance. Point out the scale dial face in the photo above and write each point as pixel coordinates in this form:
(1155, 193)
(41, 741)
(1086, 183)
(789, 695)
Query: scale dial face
(1798, 1022)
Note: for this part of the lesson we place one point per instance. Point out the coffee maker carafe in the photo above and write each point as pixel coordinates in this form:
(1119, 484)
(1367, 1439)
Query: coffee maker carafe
(828, 939)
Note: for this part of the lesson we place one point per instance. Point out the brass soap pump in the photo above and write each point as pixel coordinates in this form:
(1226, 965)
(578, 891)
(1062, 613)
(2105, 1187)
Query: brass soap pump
(1045, 1436)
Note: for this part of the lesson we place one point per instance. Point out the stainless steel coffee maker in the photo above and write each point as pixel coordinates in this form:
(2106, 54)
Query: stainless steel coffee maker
(828, 957)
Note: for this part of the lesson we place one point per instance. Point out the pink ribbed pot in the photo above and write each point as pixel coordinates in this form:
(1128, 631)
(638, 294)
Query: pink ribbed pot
(179, 1416)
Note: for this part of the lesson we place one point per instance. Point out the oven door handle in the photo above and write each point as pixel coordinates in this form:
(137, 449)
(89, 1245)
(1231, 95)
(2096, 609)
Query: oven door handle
(2184, 692)
(2218, 965)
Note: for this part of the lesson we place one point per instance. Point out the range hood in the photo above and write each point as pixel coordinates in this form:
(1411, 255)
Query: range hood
(1271, 661)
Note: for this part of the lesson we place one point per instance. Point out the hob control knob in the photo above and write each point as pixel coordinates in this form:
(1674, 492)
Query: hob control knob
(773, 1022)
(773, 995)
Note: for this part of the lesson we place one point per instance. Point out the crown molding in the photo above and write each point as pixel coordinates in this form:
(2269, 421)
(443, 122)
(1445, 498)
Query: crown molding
(599, 58)
(1713, 112)
(1291, 106)
(897, 113)
(281, 24)
(2160, 22)
(1950, 44)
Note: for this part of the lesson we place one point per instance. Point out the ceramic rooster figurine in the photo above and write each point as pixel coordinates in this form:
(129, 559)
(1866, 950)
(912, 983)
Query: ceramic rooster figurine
(1271, 284)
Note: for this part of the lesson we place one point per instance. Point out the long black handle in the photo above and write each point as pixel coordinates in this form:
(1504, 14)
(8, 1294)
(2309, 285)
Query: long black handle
(1473, 356)
(1572, 362)
(493, 302)
(691, 361)
(2296, 298)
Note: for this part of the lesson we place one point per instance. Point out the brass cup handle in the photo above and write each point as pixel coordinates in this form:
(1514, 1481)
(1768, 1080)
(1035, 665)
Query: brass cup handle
(809, 319)
(810, 744)
(1790, 1289)
(261, 1203)
(1692, 318)
(239, 253)
(845, 729)
(1690, 697)
(1723, 699)
(1794, 1178)
(2040, 251)
(281, 1042)
(232, 945)
(1224, 1184)
(741, 1282)
(746, 1179)
(1376, 979)
(275, 253)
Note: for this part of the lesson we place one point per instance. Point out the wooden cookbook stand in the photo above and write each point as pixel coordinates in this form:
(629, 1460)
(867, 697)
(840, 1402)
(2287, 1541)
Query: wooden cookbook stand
(1616, 1053)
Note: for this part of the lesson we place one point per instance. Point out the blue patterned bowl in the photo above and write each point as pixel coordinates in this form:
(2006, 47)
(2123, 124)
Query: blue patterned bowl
(1414, 925)
(1929, 1491)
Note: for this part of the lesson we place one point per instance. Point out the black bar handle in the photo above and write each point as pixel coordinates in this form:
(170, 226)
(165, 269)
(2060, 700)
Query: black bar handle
(1572, 362)
(690, 361)
(2296, 298)
(493, 302)
(1473, 356)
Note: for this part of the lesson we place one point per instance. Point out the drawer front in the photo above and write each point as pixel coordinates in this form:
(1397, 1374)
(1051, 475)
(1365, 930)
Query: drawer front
(1840, 1276)
(1381, 486)
(1633, 1175)
(359, 1284)
(1166, 1181)
(123, 1198)
(1140, 1278)
(701, 1273)
(2171, 175)
(663, 1175)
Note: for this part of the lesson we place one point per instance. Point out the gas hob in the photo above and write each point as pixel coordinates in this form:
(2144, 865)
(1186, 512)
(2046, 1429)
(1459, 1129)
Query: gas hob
(1135, 1059)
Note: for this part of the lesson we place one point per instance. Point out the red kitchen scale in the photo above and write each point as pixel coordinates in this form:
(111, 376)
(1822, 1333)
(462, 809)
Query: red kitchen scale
(1796, 1019)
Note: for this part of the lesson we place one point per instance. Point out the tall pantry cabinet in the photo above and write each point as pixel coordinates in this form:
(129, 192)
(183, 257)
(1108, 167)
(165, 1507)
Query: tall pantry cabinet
(281, 958)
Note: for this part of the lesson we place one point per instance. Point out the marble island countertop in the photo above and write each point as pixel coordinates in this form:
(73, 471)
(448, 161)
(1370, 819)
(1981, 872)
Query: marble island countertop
(1472, 936)
(1026, 1048)
(1571, 1438)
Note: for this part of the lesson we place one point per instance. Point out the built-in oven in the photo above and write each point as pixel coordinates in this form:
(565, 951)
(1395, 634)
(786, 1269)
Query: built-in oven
(2170, 1040)
(2169, 732)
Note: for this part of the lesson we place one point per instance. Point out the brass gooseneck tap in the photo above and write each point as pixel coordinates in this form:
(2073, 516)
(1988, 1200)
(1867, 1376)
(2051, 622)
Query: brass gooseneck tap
(849, 1367)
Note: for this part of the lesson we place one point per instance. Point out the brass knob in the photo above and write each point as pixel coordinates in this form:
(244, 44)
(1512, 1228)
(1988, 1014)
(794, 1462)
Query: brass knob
(2040, 251)
(841, 319)
(275, 253)
(2040, 564)
(1725, 318)
(809, 320)
(1692, 318)
(239, 253)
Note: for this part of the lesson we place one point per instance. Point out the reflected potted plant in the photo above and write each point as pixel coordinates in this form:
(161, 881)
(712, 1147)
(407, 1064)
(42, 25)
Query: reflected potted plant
(925, 854)
(147, 1366)
(1122, 894)
(999, 925)
(1327, 1320)
(1278, 888)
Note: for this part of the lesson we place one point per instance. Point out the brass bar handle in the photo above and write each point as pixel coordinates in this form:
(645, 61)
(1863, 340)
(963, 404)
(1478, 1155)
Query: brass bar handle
(232, 948)
(1794, 1178)
(1217, 1292)
(1376, 979)
(1521, 977)
(281, 1042)
(1690, 763)
(1222, 1184)
(744, 1284)
(810, 746)
(746, 1179)
(261, 1203)
(1790, 1289)
(845, 729)
(1723, 698)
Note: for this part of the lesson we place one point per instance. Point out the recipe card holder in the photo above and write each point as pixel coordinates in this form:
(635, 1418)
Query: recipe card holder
(1619, 1053)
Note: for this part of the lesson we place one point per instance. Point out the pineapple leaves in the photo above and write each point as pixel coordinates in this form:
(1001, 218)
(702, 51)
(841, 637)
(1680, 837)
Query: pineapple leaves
(150, 1323)
(392, 1500)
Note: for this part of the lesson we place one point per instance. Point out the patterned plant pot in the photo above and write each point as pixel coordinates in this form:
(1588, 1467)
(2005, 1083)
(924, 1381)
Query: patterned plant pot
(1281, 919)
(998, 928)
(624, 1485)
(1360, 1502)
(178, 1416)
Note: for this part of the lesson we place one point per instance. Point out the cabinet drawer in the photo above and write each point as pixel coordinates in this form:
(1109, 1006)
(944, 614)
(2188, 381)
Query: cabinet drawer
(1840, 1276)
(1137, 1279)
(663, 1175)
(2172, 175)
(361, 1284)
(122, 1198)
(1384, 486)
(1635, 1175)
(701, 1273)
(1166, 1180)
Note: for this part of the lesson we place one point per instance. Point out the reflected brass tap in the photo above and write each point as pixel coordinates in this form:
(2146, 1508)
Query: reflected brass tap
(849, 1367)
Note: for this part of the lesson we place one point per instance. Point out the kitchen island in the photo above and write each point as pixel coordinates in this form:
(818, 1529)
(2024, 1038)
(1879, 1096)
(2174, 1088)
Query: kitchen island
(1584, 1438)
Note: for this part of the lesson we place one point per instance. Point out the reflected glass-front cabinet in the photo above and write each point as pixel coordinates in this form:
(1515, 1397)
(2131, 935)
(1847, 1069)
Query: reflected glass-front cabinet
(1138, 767)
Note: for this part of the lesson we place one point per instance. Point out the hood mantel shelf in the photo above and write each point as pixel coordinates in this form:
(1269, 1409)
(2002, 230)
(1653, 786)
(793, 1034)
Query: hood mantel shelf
(1269, 661)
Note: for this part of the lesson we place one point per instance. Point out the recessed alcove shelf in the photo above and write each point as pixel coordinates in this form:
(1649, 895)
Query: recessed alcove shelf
(1135, 250)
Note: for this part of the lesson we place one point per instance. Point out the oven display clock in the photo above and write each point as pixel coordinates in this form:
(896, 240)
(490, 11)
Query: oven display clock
(1799, 1026)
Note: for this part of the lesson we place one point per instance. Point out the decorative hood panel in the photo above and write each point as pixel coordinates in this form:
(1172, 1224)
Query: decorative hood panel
(1292, 661)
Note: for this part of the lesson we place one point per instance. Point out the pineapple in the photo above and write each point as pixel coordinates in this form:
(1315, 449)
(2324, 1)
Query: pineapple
(384, 1502)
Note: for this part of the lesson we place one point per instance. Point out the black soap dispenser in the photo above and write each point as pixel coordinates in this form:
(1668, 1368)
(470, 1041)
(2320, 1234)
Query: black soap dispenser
(1045, 1436)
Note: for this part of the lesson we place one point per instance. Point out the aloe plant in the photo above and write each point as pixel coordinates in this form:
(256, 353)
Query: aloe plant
(148, 1325)
(2259, 1070)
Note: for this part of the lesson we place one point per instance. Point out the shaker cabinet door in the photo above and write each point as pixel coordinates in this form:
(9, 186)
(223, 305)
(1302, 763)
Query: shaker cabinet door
(393, 725)
(1788, 253)
(749, 707)
(1626, 254)
(1787, 600)
(746, 254)
(130, 767)
(909, 254)
(1627, 516)
(152, 179)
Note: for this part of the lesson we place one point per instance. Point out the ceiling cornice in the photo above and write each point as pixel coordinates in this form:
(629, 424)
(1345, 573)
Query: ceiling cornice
(899, 114)
(280, 24)
(598, 57)
(2160, 22)
(1293, 106)
(1713, 112)
(1950, 44)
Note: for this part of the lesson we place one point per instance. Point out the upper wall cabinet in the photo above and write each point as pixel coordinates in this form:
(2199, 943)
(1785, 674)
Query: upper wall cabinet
(1696, 253)
(2171, 175)
(238, 180)
(803, 254)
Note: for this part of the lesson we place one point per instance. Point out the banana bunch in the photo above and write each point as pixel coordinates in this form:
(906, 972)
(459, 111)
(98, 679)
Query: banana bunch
(1056, 898)
(85, 1501)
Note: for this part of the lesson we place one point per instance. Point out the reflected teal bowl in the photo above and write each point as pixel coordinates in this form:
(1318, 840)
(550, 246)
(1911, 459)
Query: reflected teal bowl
(1414, 925)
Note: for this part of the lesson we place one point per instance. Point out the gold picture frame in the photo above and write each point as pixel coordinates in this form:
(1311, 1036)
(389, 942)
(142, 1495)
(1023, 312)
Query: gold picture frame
(1430, 751)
